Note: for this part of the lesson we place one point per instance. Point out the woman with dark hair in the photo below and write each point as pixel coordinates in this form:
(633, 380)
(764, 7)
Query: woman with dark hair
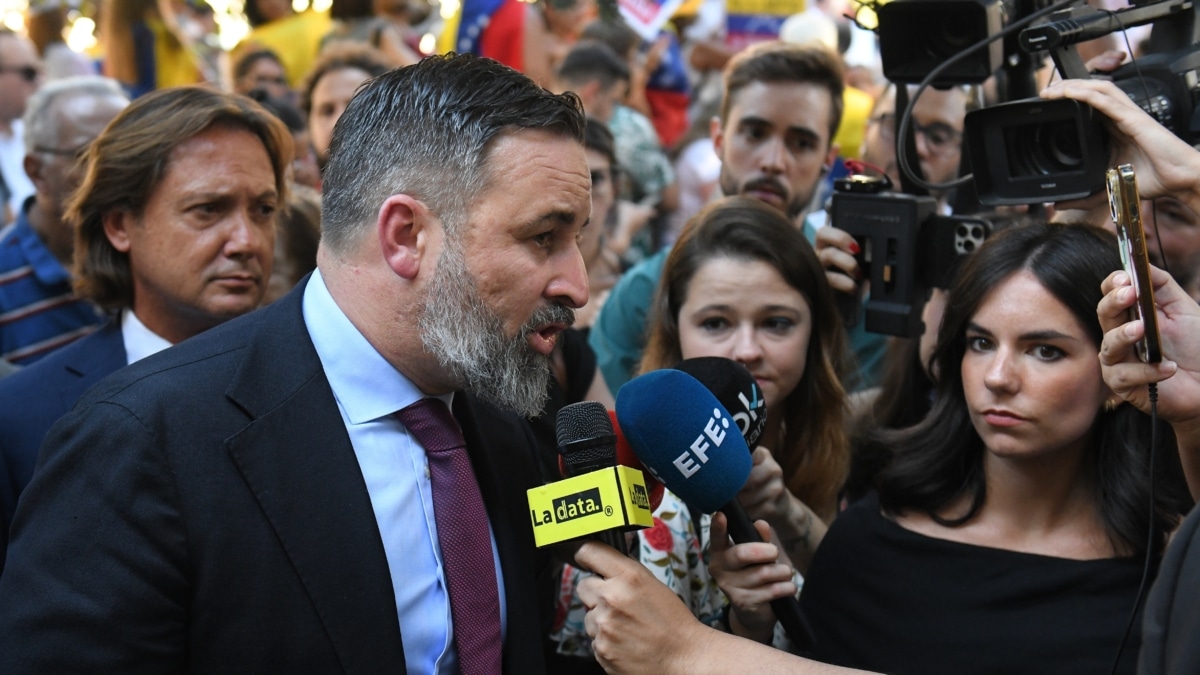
(261, 69)
(604, 265)
(743, 283)
(1009, 528)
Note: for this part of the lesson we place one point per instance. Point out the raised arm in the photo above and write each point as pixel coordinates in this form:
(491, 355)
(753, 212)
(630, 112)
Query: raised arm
(1179, 373)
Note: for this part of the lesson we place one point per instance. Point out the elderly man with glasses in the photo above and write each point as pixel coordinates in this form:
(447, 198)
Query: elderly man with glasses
(20, 74)
(39, 311)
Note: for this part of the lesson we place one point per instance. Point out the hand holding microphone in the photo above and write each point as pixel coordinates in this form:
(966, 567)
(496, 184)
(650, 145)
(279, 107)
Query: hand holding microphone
(688, 440)
(765, 494)
(751, 576)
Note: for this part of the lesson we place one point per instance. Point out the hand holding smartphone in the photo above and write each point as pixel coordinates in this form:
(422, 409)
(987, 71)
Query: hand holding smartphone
(1125, 205)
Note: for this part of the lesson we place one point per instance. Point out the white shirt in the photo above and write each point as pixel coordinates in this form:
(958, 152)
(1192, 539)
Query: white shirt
(140, 341)
(12, 167)
(368, 390)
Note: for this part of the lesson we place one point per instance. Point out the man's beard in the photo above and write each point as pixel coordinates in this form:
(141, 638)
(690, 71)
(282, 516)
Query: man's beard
(794, 207)
(468, 339)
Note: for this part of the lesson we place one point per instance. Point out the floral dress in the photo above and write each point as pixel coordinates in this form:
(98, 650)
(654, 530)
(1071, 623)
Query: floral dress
(677, 555)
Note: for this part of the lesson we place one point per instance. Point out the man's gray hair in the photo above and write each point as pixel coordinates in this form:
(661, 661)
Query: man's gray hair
(425, 131)
(41, 127)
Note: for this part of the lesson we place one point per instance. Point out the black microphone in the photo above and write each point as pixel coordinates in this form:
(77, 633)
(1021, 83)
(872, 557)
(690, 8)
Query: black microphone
(735, 388)
(587, 442)
(678, 429)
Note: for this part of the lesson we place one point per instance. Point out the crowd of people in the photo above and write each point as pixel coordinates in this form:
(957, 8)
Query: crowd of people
(283, 348)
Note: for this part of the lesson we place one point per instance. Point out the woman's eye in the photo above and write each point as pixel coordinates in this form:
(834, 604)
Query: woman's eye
(978, 344)
(1047, 352)
(778, 324)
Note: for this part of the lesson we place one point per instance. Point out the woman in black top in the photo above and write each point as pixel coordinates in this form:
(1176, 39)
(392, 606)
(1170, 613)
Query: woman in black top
(1010, 524)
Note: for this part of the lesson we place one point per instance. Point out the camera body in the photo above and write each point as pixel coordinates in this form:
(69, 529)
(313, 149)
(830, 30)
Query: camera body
(906, 249)
(1044, 151)
(917, 35)
(1030, 150)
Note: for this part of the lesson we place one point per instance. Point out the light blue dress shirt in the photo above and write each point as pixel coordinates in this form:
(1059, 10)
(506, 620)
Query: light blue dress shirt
(368, 390)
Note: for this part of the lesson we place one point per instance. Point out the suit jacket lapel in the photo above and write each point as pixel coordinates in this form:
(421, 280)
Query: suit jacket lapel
(105, 354)
(297, 459)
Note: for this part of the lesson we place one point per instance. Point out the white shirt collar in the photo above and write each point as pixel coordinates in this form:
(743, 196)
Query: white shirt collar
(140, 341)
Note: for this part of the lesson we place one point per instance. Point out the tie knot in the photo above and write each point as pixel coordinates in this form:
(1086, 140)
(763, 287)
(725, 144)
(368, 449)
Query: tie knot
(430, 421)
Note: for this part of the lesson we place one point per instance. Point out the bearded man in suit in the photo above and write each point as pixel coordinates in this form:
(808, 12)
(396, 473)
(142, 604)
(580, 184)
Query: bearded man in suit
(269, 496)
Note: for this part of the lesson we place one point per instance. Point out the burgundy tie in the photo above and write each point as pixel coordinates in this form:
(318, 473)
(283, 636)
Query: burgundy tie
(463, 536)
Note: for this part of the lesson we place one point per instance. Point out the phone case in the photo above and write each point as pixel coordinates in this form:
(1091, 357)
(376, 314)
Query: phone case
(1125, 205)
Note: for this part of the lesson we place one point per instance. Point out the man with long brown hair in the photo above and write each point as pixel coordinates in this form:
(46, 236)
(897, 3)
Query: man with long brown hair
(175, 230)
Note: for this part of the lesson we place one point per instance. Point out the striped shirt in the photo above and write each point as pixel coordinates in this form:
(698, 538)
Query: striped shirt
(38, 310)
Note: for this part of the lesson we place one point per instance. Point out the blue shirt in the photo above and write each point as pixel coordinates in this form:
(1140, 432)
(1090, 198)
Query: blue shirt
(368, 390)
(39, 312)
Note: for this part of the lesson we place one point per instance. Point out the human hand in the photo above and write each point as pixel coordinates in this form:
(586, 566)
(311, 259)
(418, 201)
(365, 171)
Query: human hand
(836, 249)
(751, 576)
(636, 623)
(1106, 61)
(1178, 325)
(764, 496)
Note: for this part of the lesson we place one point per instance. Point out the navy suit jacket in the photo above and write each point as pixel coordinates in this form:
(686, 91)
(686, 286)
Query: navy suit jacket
(32, 400)
(203, 511)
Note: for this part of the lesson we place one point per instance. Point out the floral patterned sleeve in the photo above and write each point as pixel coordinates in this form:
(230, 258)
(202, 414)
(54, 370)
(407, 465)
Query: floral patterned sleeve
(671, 550)
(675, 553)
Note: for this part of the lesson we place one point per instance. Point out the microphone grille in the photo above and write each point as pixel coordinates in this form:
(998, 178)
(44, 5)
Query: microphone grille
(585, 437)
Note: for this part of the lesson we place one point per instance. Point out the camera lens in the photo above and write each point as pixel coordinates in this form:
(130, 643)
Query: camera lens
(1044, 149)
(951, 34)
(1060, 141)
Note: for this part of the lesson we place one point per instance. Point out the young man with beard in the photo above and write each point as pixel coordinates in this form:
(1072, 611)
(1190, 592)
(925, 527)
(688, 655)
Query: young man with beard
(781, 106)
(336, 482)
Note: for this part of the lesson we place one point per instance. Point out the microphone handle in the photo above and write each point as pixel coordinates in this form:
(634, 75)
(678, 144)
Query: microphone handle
(615, 539)
(787, 610)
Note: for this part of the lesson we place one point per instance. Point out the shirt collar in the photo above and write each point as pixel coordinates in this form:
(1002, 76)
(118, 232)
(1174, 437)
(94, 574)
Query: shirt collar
(140, 341)
(363, 382)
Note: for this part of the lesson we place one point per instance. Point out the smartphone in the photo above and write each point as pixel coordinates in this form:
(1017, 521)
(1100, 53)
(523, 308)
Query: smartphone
(1125, 205)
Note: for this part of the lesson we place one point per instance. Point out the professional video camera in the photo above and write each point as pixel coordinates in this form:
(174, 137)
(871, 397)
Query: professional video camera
(1026, 151)
(1043, 151)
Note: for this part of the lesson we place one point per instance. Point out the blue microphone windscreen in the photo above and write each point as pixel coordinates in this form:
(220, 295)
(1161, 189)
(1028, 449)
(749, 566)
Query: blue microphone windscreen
(685, 437)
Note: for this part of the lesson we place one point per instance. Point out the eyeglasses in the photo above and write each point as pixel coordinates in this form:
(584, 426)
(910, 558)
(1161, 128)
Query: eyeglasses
(75, 153)
(941, 138)
(27, 73)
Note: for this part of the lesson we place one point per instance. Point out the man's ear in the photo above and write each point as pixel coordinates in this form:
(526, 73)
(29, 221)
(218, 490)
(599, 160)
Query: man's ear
(718, 134)
(404, 228)
(832, 156)
(116, 228)
(33, 168)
